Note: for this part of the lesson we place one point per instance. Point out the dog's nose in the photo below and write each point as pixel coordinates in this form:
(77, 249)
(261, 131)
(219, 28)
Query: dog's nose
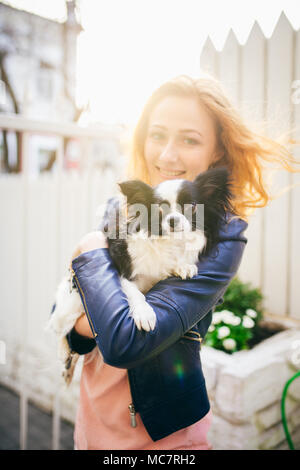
(173, 221)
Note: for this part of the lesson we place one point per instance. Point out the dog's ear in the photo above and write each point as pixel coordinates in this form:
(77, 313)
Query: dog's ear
(214, 186)
(136, 191)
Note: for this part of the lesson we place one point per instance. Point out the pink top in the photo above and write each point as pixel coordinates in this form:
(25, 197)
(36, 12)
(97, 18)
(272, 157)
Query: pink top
(103, 419)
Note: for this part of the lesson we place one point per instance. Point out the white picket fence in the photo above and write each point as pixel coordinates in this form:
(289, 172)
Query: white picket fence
(43, 218)
(261, 78)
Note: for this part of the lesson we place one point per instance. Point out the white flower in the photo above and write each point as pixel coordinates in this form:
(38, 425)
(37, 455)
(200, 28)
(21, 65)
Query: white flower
(227, 316)
(251, 313)
(230, 318)
(226, 312)
(217, 318)
(236, 320)
(223, 332)
(229, 344)
(248, 322)
(211, 328)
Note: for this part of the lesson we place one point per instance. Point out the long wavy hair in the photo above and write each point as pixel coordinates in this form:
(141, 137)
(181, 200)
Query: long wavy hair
(246, 153)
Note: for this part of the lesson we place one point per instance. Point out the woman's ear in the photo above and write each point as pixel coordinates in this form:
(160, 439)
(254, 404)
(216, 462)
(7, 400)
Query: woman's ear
(217, 157)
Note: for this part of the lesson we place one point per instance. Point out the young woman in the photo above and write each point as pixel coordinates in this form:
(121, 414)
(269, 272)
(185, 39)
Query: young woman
(149, 393)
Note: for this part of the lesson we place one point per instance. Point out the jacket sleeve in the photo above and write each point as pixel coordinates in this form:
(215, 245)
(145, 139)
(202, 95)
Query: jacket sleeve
(78, 343)
(178, 304)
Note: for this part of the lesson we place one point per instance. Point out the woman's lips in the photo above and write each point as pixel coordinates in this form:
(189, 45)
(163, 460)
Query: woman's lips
(170, 173)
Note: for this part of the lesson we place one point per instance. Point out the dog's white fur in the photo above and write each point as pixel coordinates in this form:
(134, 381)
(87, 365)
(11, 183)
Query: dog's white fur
(68, 308)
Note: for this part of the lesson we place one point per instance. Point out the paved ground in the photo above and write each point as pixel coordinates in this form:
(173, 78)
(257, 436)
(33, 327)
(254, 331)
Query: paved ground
(39, 425)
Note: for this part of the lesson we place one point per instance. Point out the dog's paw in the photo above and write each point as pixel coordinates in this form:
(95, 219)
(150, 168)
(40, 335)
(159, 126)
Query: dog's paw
(187, 271)
(144, 316)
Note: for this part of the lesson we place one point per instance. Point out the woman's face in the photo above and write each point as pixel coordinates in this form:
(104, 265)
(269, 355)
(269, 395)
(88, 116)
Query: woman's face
(181, 141)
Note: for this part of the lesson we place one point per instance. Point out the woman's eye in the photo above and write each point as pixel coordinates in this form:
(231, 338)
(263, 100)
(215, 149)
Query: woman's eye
(156, 136)
(190, 141)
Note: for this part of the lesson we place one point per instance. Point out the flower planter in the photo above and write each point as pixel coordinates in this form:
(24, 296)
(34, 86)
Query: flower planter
(245, 390)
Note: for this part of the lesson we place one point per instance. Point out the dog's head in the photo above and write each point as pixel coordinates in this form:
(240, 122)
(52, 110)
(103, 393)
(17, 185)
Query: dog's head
(178, 206)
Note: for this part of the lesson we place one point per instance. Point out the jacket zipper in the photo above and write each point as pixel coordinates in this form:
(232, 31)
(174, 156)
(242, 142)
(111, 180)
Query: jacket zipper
(132, 415)
(132, 407)
(84, 301)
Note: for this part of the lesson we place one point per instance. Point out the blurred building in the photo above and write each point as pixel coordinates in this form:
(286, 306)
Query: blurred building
(38, 63)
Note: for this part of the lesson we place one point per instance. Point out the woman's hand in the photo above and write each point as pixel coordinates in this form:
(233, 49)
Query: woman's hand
(90, 241)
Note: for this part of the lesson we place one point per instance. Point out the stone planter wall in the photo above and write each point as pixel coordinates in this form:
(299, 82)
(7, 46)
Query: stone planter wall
(245, 391)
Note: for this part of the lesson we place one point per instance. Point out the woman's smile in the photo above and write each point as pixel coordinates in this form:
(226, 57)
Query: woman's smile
(170, 174)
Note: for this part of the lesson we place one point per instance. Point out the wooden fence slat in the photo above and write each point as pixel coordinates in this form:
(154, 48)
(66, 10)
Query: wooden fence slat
(25, 299)
(58, 232)
(294, 291)
(253, 75)
(209, 58)
(277, 214)
(229, 67)
(252, 108)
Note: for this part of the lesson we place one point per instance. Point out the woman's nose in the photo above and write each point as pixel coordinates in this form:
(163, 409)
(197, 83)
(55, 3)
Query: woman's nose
(169, 153)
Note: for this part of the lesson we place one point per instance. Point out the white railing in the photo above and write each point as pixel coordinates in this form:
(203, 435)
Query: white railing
(42, 220)
(262, 78)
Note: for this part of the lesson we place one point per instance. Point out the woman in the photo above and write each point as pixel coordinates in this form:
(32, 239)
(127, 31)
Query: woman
(149, 393)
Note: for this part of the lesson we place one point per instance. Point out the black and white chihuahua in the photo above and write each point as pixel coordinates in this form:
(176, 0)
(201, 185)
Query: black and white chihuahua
(156, 232)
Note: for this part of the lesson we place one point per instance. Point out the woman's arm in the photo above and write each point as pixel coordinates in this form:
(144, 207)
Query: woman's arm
(90, 241)
(82, 327)
(80, 337)
(178, 304)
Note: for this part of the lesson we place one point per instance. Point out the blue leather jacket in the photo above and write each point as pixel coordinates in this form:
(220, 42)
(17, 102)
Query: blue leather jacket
(164, 366)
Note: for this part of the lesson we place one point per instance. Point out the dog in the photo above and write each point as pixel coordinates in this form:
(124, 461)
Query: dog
(155, 232)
